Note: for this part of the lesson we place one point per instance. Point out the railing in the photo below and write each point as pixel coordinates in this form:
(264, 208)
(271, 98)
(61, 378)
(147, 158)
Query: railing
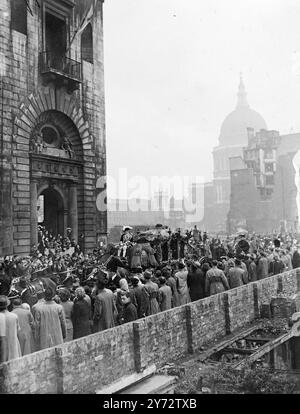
(50, 62)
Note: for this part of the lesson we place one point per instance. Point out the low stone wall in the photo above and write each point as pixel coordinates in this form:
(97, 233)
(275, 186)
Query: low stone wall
(32, 374)
(241, 305)
(89, 363)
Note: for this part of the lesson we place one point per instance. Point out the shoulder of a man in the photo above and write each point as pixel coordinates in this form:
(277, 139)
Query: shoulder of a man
(11, 315)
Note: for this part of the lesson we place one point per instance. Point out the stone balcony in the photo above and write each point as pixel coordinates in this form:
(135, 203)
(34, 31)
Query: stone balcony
(60, 70)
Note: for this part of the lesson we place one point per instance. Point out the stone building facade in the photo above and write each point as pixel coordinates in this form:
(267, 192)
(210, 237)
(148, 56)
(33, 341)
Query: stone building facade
(264, 184)
(53, 150)
(232, 139)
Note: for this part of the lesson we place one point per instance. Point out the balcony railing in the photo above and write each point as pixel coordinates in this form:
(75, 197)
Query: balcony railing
(60, 65)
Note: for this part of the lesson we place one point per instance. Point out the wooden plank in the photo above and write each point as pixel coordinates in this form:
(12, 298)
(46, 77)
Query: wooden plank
(253, 339)
(242, 351)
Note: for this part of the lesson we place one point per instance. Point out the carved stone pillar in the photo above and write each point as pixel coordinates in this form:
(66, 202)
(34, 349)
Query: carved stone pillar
(73, 211)
(33, 213)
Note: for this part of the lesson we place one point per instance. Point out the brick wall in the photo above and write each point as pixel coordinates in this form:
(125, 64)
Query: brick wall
(206, 313)
(89, 363)
(32, 374)
(114, 351)
(162, 337)
(241, 306)
(266, 289)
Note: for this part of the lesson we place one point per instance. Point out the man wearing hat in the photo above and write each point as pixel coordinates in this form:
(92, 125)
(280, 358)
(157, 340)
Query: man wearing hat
(10, 346)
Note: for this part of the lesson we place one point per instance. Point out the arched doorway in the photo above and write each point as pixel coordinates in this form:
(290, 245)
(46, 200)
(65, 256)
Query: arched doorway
(51, 211)
(56, 186)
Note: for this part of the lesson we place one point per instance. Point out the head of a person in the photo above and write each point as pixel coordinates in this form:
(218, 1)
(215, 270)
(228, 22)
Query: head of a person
(147, 275)
(48, 294)
(100, 284)
(87, 290)
(237, 262)
(17, 302)
(25, 306)
(166, 272)
(162, 280)
(80, 293)
(181, 265)
(4, 302)
(220, 266)
(122, 272)
(215, 263)
(158, 274)
(205, 267)
(125, 297)
(135, 281)
(64, 294)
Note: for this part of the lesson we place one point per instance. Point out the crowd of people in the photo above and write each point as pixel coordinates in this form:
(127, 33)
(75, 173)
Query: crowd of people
(58, 293)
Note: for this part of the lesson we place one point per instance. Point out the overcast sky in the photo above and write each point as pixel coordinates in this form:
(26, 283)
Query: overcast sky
(172, 72)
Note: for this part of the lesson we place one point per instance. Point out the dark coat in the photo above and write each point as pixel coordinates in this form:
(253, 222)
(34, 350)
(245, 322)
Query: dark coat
(5, 282)
(142, 300)
(296, 260)
(129, 313)
(252, 272)
(81, 318)
(235, 277)
(196, 284)
(276, 267)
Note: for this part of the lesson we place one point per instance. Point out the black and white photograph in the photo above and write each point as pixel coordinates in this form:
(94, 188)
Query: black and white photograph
(149, 200)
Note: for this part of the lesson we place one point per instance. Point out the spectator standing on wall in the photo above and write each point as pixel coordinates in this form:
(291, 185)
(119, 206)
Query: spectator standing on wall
(50, 325)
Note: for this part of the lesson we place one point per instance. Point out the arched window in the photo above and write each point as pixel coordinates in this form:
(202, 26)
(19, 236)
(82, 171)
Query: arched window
(87, 44)
(19, 15)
